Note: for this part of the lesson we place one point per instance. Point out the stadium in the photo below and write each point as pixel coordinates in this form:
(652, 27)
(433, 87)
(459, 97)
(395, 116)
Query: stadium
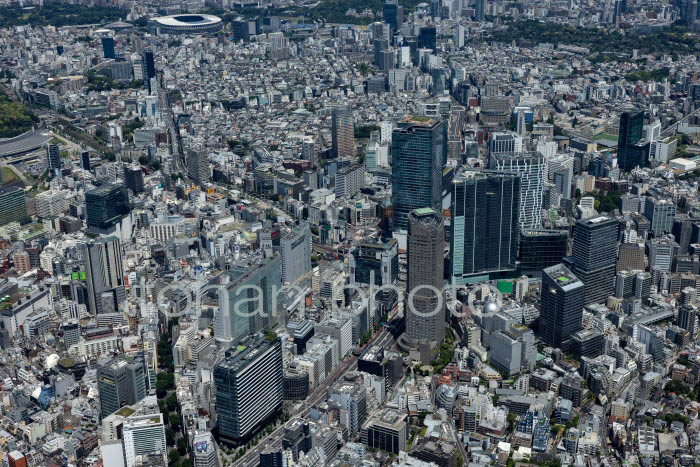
(188, 24)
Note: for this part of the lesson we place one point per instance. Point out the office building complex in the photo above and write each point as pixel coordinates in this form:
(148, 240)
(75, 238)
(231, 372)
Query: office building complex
(14, 205)
(144, 435)
(120, 382)
(588, 343)
(349, 181)
(484, 235)
(351, 399)
(505, 143)
(133, 178)
(561, 306)
(105, 275)
(376, 262)
(661, 214)
(249, 388)
(149, 69)
(295, 248)
(687, 318)
(425, 317)
(387, 431)
(632, 149)
(594, 256)
(108, 48)
(530, 167)
(242, 311)
(106, 205)
(513, 350)
(540, 249)
(418, 152)
(343, 133)
(204, 450)
(53, 158)
(393, 14)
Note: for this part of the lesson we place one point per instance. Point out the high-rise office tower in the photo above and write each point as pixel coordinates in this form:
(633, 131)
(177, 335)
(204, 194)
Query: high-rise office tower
(630, 153)
(393, 14)
(133, 178)
(561, 306)
(14, 205)
(661, 214)
(427, 38)
(204, 451)
(687, 315)
(350, 397)
(149, 68)
(120, 381)
(540, 249)
(624, 284)
(563, 177)
(108, 48)
(594, 256)
(425, 315)
(682, 232)
(662, 252)
(484, 233)
(105, 206)
(418, 152)
(343, 133)
(458, 35)
(506, 142)
(144, 435)
(104, 274)
(197, 163)
(85, 160)
(239, 311)
(530, 166)
(378, 261)
(295, 248)
(642, 285)
(249, 388)
(691, 13)
(53, 158)
(520, 124)
(480, 11)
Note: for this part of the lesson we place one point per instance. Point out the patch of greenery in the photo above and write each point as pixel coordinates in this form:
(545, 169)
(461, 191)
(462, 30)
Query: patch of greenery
(606, 201)
(644, 75)
(364, 131)
(97, 82)
(330, 11)
(59, 14)
(600, 41)
(15, 119)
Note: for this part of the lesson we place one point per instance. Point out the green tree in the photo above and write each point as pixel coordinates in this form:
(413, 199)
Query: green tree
(182, 446)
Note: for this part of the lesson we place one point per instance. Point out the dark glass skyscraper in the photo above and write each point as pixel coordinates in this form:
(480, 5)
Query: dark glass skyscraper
(418, 149)
(629, 153)
(149, 68)
(484, 234)
(393, 14)
(120, 382)
(561, 306)
(540, 249)
(594, 256)
(106, 205)
(427, 38)
(108, 47)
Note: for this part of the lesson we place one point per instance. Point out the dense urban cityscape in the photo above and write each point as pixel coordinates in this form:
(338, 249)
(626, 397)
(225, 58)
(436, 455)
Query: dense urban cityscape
(349, 233)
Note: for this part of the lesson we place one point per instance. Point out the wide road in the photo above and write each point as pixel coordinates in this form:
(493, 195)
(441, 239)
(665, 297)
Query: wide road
(274, 439)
